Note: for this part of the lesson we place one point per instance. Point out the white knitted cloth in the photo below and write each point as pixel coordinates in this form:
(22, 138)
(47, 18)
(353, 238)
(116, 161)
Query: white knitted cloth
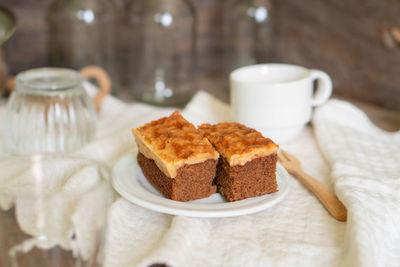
(298, 231)
(366, 171)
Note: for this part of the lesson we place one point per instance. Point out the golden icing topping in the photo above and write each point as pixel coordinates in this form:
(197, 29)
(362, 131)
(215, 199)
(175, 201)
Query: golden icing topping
(172, 142)
(238, 143)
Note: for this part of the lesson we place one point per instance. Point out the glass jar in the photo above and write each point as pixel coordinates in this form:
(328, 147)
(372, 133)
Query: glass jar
(49, 111)
(163, 51)
(82, 33)
(250, 32)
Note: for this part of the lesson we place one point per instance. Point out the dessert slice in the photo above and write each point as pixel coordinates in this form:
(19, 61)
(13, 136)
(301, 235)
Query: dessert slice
(176, 158)
(247, 163)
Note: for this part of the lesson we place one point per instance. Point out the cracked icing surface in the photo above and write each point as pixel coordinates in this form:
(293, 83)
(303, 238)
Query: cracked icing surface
(238, 143)
(173, 142)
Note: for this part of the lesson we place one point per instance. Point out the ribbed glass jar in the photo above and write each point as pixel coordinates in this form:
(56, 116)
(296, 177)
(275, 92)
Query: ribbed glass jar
(49, 111)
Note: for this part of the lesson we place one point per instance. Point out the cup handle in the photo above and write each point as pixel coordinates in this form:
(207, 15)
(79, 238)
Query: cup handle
(324, 89)
(102, 78)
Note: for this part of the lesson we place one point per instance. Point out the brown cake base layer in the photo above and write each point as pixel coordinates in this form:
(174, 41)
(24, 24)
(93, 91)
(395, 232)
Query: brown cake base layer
(192, 181)
(255, 178)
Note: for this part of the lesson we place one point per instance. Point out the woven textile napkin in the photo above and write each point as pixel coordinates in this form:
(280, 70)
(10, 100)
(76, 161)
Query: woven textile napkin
(366, 171)
(298, 231)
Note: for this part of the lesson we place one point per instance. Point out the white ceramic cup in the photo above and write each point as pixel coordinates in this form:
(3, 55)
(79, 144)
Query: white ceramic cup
(277, 99)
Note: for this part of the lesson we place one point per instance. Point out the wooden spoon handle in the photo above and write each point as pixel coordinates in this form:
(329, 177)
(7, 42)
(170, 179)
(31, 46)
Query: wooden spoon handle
(330, 201)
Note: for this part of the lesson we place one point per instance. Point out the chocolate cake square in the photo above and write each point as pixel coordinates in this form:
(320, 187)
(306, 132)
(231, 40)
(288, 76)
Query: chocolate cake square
(176, 158)
(247, 163)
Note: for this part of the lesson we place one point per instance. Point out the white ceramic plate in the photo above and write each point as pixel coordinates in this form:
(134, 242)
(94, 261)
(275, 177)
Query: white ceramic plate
(129, 181)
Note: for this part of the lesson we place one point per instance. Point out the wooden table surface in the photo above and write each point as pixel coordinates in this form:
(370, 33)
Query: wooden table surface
(386, 119)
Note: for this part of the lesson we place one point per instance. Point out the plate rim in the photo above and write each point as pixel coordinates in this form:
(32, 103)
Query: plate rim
(190, 209)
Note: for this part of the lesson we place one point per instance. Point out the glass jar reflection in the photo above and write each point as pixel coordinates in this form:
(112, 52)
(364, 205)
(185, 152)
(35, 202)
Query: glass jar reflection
(250, 32)
(163, 53)
(82, 33)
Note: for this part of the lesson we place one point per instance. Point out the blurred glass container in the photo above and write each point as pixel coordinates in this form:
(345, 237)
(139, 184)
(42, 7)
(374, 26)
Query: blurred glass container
(250, 32)
(7, 29)
(163, 52)
(53, 211)
(82, 33)
(49, 111)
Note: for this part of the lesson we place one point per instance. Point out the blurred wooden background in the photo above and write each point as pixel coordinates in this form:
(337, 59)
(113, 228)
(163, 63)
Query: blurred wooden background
(351, 40)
